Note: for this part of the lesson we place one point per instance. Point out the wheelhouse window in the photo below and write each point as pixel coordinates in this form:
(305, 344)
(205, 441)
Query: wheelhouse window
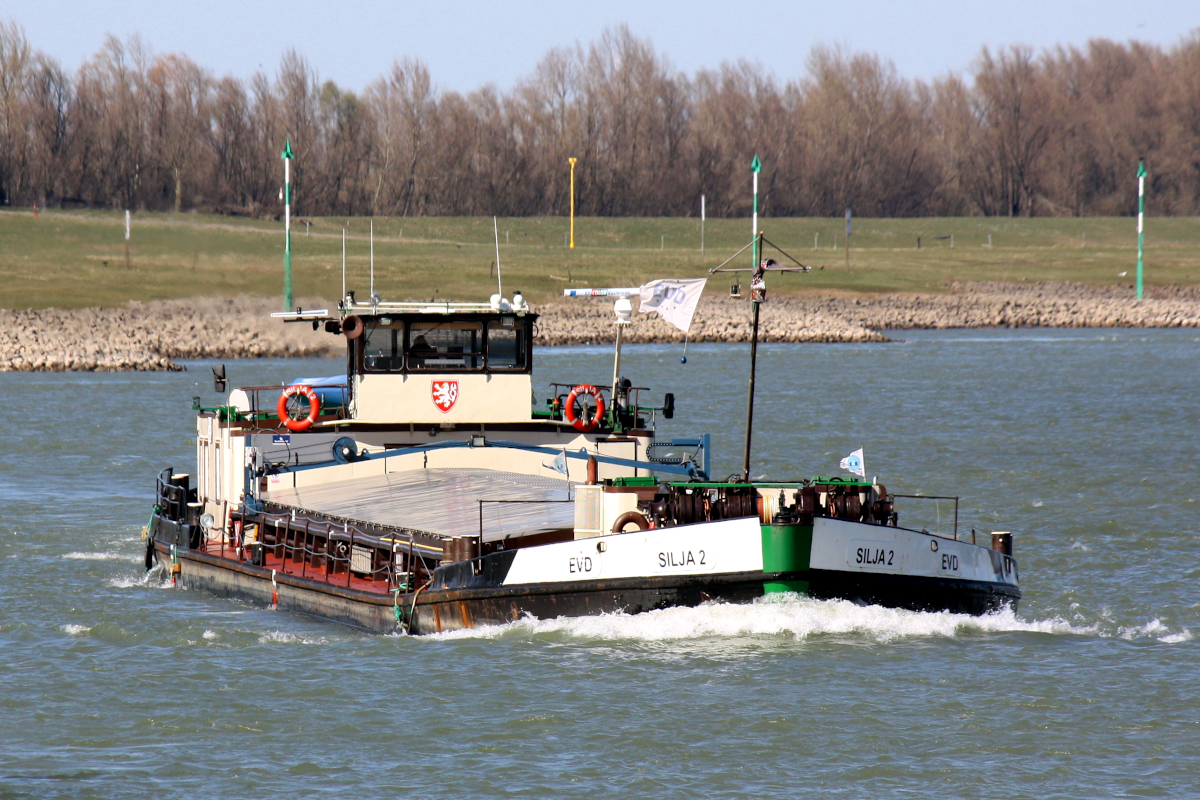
(445, 346)
(382, 343)
(506, 344)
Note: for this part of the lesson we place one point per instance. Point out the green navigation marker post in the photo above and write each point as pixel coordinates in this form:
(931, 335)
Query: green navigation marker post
(287, 157)
(755, 167)
(1141, 212)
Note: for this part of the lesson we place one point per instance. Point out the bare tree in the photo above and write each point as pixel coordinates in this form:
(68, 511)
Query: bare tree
(1014, 110)
(1058, 132)
(406, 115)
(181, 96)
(16, 66)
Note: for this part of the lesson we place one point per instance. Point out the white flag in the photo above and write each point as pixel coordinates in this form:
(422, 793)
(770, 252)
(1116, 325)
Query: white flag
(854, 463)
(559, 464)
(674, 300)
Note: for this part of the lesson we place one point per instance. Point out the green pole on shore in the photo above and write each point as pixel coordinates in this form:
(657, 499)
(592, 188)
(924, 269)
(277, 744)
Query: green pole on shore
(1141, 212)
(755, 167)
(287, 157)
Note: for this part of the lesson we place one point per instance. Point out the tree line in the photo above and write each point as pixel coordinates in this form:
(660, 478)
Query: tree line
(1058, 132)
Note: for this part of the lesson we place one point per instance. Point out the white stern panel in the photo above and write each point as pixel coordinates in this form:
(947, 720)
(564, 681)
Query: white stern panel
(845, 546)
(733, 545)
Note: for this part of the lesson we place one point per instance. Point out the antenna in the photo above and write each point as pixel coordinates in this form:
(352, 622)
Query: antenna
(372, 258)
(623, 309)
(343, 263)
(496, 232)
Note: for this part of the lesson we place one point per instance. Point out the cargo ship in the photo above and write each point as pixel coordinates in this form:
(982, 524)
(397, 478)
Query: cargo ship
(425, 490)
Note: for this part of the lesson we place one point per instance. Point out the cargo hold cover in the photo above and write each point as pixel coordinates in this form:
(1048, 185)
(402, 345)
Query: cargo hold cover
(443, 502)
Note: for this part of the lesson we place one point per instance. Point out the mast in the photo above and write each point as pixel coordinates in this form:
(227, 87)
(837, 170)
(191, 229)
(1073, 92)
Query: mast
(758, 294)
(287, 157)
(1141, 176)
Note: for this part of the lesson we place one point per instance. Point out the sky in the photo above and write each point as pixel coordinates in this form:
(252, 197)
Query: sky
(467, 45)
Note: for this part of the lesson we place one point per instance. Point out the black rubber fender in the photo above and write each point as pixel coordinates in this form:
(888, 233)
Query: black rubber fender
(149, 551)
(628, 517)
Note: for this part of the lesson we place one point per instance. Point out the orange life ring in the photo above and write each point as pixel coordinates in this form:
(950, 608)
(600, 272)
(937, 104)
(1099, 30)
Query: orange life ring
(578, 422)
(314, 407)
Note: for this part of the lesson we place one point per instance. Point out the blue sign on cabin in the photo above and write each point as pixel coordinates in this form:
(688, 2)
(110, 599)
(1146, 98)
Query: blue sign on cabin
(281, 439)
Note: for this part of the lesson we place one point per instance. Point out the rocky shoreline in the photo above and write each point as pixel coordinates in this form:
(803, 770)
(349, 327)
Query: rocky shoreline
(154, 336)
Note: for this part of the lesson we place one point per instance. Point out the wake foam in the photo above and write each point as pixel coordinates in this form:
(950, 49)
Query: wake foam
(778, 616)
(156, 578)
(1154, 629)
(75, 630)
(282, 637)
(97, 556)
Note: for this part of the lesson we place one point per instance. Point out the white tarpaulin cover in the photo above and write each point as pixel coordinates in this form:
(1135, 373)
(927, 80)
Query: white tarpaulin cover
(444, 502)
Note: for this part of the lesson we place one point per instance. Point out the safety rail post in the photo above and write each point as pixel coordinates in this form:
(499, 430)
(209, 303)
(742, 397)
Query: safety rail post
(304, 556)
(409, 567)
(290, 546)
(328, 545)
(350, 559)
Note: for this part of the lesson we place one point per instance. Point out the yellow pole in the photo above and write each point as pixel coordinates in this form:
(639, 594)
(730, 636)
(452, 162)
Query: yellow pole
(572, 162)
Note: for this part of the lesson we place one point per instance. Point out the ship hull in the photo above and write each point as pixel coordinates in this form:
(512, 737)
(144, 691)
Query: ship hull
(610, 574)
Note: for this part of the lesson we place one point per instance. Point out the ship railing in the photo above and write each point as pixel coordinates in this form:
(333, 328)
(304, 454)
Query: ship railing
(938, 513)
(173, 494)
(344, 547)
(264, 402)
(561, 390)
(633, 400)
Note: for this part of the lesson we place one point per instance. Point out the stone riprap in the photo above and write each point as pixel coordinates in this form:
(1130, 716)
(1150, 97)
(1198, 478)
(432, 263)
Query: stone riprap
(152, 336)
(860, 318)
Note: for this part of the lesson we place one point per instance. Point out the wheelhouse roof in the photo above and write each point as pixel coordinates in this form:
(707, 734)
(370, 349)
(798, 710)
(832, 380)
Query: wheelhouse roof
(407, 310)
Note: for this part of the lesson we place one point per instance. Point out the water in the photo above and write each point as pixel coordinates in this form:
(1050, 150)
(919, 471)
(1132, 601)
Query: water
(1085, 443)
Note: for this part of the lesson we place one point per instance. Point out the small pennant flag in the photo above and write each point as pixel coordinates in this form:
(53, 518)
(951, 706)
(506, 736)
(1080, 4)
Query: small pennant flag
(854, 463)
(559, 464)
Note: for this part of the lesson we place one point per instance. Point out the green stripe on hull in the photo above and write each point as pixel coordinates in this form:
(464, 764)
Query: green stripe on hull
(786, 548)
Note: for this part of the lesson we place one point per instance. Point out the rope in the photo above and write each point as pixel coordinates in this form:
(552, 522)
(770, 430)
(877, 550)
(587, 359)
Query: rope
(396, 610)
(157, 510)
(413, 608)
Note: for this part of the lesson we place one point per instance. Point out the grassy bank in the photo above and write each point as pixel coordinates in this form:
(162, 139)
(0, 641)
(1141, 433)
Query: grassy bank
(77, 259)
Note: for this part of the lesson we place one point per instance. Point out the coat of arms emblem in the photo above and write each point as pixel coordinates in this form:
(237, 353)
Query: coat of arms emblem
(445, 395)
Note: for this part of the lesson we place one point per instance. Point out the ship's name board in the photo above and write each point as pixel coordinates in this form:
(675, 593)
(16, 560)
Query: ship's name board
(840, 545)
(873, 555)
(711, 547)
(682, 558)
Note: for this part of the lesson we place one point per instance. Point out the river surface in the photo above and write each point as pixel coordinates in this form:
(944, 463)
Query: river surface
(1086, 444)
